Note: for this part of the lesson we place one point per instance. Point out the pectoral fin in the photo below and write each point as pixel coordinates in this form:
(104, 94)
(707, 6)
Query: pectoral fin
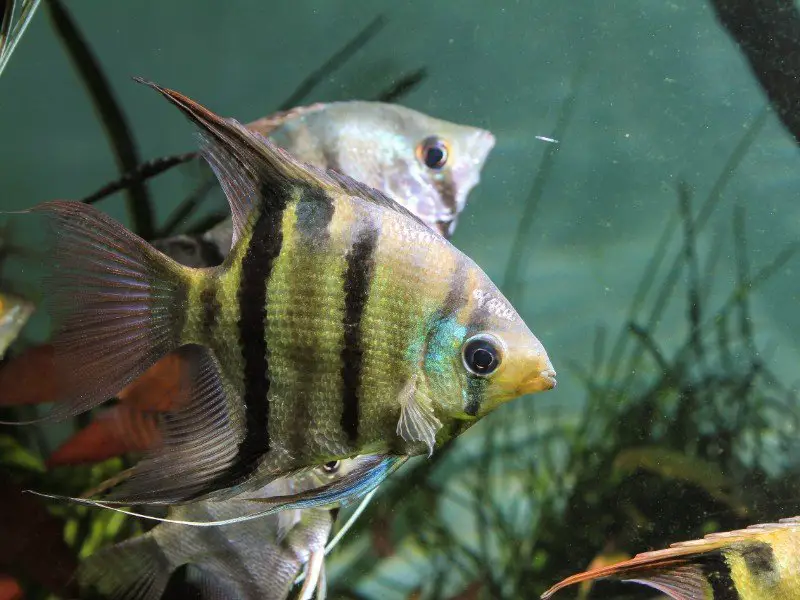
(417, 423)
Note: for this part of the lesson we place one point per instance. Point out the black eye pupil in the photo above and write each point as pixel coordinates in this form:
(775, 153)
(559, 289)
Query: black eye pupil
(433, 152)
(331, 467)
(482, 359)
(434, 157)
(481, 356)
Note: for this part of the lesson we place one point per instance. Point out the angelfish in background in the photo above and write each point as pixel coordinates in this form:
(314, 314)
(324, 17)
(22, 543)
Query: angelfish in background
(761, 562)
(339, 325)
(258, 560)
(426, 164)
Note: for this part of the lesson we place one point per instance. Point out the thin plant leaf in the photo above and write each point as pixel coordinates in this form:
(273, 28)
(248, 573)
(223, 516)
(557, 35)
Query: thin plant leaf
(334, 63)
(143, 172)
(511, 278)
(676, 465)
(9, 38)
(14, 455)
(403, 86)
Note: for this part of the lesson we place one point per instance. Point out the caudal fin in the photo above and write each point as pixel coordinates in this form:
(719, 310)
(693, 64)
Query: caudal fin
(117, 304)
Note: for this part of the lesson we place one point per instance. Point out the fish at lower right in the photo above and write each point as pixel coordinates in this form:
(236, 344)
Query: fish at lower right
(761, 562)
(339, 325)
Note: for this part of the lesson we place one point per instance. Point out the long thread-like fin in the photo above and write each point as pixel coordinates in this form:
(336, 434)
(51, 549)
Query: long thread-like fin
(117, 304)
(136, 569)
(361, 480)
(675, 576)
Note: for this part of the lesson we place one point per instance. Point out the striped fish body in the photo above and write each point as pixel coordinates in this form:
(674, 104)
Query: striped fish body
(320, 317)
(758, 563)
(338, 325)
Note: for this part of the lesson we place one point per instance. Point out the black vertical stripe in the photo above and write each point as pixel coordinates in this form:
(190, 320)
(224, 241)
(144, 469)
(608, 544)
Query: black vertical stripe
(315, 210)
(760, 560)
(264, 247)
(718, 573)
(210, 304)
(446, 188)
(358, 275)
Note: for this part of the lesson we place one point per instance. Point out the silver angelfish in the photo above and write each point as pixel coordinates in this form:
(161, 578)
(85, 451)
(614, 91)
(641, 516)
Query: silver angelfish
(259, 559)
(428, 165)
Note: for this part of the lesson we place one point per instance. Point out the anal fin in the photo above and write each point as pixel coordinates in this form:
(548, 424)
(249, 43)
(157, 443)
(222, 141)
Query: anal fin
(199, 442)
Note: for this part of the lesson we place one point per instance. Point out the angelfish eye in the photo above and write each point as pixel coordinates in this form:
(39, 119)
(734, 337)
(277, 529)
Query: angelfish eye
(331, 467)
(433, 152)
(481, 355)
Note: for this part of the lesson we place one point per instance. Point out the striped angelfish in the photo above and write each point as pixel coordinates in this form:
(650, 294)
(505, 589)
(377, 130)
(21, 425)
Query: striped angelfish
(338, 325)
(761, 562)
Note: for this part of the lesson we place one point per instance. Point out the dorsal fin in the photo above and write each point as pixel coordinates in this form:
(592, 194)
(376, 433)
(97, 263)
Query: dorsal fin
(268, 124)
(246, 162)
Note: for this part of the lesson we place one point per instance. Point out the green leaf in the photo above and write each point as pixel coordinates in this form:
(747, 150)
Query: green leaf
(13, 454)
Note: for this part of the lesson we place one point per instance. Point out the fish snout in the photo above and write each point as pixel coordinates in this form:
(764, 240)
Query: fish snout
(482, 144)
(541, 378)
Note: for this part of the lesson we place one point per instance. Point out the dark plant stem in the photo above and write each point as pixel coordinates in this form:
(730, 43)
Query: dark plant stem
(142, 173)
(334, 63)
(403, 86)
(111, 114)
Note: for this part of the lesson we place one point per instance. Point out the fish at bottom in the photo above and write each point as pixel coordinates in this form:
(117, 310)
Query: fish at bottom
(761, 562)
(259, 559)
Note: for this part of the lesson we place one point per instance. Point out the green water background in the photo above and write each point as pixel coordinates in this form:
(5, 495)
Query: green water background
(665, 95)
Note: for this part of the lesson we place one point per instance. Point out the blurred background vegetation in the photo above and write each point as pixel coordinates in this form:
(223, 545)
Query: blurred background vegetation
(652, 249)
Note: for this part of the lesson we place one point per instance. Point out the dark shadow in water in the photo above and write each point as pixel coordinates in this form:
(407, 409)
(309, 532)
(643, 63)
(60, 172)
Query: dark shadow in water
(768, 33)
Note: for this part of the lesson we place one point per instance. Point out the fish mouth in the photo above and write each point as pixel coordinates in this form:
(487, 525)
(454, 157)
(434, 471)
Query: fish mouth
(548, 377)
(481, 145)
(540, 381)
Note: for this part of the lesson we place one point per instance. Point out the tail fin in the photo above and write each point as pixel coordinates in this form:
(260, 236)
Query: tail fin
(136, 569)
(117, 304)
